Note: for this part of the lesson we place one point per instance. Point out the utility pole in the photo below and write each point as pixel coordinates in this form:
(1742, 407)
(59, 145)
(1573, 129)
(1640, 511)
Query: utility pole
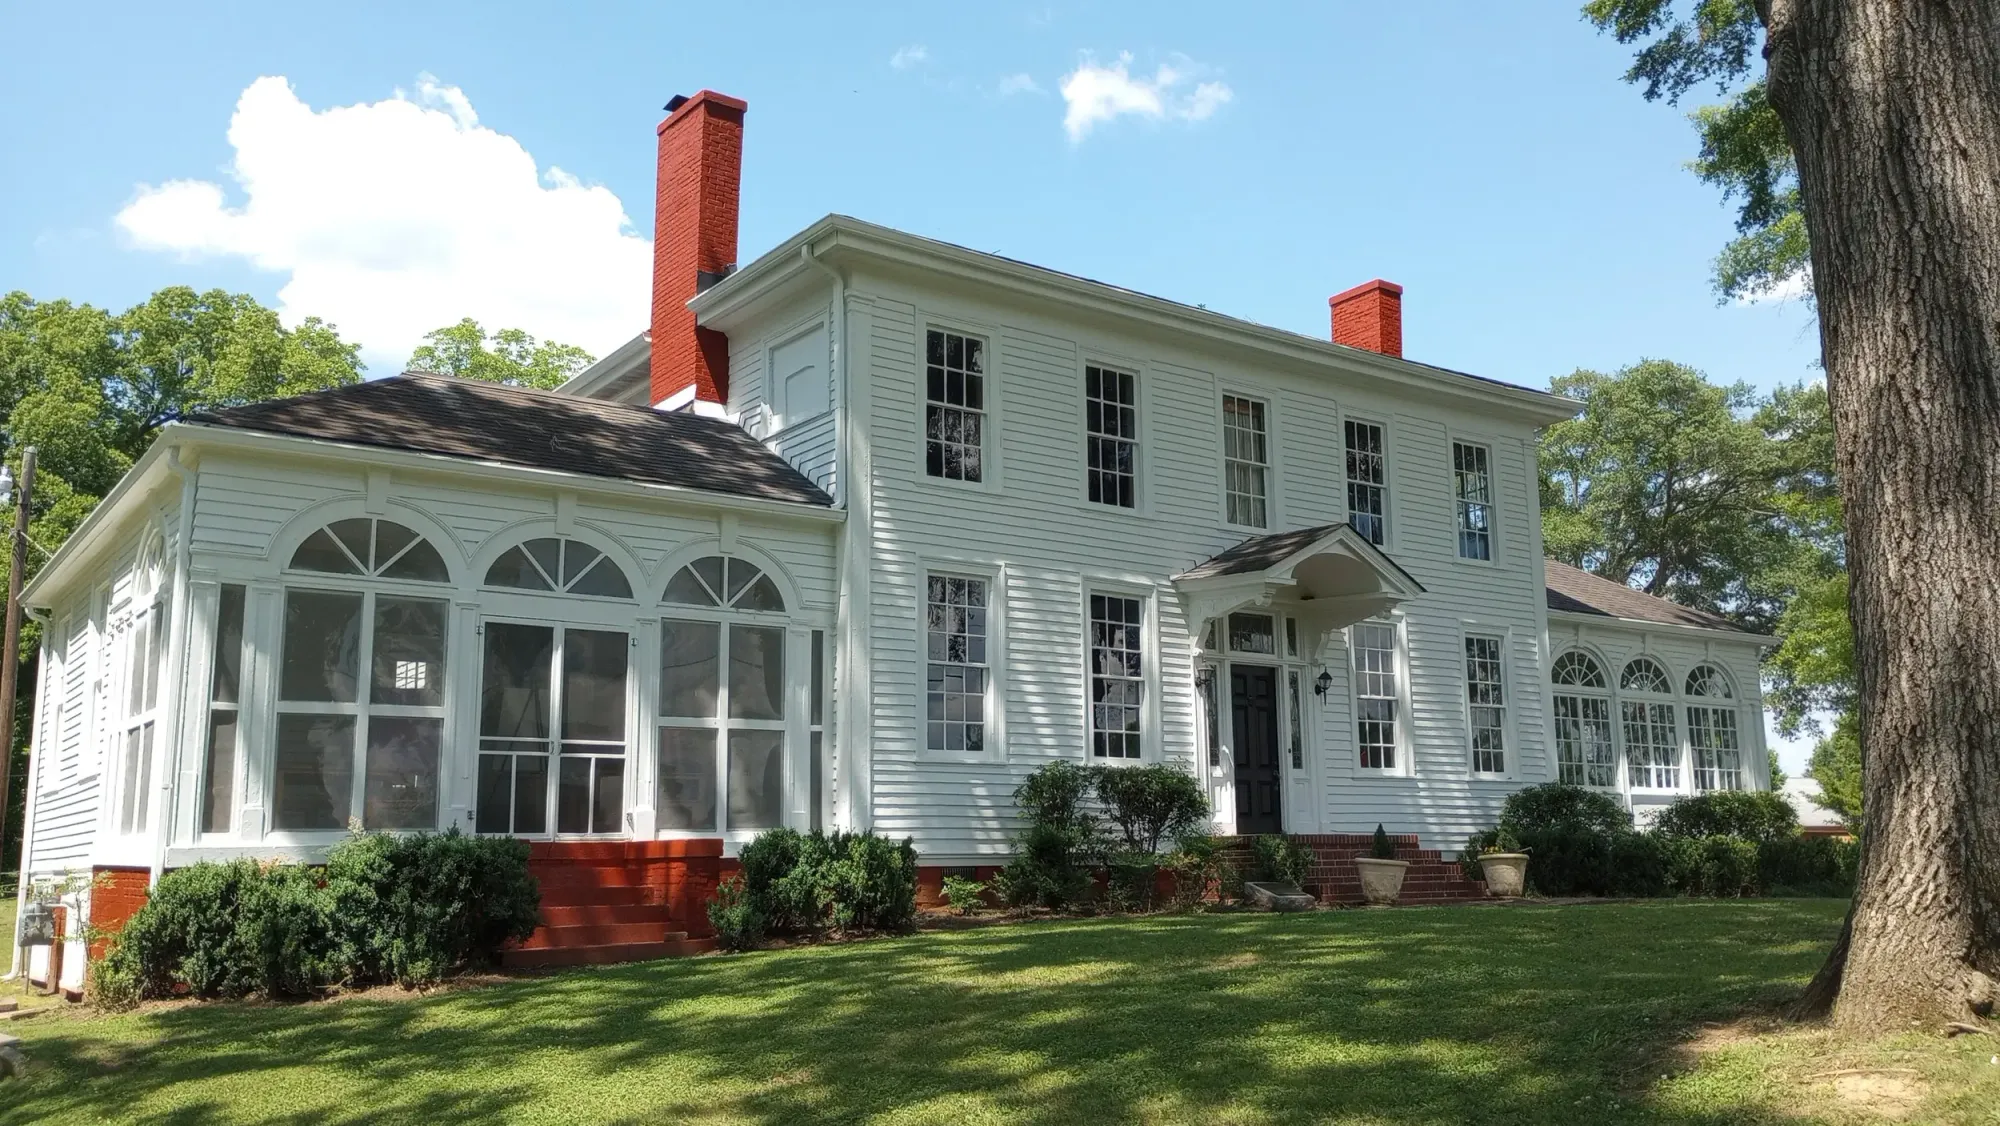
(10, 659)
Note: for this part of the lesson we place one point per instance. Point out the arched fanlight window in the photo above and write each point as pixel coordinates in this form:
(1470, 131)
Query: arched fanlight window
(1645, 675)
(724, 582)
(1578, 669)
(1652, 744)
(1712, 736)
(1585, 753)
(366, 546)
(1707, 680)
(558, 565)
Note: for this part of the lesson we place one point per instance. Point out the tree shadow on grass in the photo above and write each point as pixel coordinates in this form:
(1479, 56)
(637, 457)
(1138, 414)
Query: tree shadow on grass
(1440, 1015)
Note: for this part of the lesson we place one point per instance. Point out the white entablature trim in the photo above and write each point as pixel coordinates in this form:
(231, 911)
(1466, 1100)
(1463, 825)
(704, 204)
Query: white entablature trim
(1328, 577)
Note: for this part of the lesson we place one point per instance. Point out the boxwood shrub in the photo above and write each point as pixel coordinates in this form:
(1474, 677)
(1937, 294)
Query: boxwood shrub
(798, 883)
(1751, 815)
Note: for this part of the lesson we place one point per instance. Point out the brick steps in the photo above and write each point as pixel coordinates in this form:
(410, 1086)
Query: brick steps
(613, 901)
(1430, 878)
(674, 945)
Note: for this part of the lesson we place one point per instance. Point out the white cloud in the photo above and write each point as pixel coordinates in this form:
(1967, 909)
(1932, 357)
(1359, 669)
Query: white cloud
(1096, 94)
(907, 57)
(396, 217)
(1019, 84)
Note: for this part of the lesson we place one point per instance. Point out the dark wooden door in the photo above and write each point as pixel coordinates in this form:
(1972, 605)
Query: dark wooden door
(1253, 706)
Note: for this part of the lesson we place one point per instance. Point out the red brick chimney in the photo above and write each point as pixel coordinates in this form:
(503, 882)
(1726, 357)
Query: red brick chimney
(1368, 316)
(694, 240)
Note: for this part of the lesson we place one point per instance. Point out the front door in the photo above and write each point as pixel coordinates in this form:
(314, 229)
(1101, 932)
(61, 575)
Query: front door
(552, 710)
(1253, 707)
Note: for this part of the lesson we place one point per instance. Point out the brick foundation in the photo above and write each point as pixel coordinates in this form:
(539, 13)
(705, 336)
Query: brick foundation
(116, 894)
(1431, 878)
(621, 901)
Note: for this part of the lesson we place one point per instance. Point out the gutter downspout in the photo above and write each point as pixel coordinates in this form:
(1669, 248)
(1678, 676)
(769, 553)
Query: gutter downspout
(849, 658)
(177, 664)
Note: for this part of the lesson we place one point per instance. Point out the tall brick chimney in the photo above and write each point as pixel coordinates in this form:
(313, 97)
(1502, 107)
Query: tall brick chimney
(1368, 316)
(694, 241)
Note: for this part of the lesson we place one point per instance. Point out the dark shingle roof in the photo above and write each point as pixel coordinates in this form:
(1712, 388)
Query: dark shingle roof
(441, 414)
(1580, 592)
(1260, 553)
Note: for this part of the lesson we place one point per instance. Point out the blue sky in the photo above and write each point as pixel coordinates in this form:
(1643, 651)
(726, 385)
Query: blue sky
(1485, 156)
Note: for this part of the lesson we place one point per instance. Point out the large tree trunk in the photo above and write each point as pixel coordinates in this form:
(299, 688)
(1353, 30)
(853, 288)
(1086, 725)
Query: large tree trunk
(1893, 109)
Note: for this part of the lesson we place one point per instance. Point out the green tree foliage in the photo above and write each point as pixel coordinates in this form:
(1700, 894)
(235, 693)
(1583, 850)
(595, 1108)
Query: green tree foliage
(508, 356)
(1743, 147)
(1691, 491)
(1836, 765)
(90, 388)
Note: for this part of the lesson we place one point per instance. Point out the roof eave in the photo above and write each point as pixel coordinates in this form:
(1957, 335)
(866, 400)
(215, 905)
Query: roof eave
(118, 506)
(1738, 636)
(586, 383)
(838, 236)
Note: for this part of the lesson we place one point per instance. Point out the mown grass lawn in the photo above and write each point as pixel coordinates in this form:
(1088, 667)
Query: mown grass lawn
(1536, 1014)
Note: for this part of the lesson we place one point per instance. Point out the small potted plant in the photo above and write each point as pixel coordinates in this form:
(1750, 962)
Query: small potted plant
(1504, 865)
(1381, 872)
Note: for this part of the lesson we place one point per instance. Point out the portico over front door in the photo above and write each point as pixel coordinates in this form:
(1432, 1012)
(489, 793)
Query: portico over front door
(1253, 708)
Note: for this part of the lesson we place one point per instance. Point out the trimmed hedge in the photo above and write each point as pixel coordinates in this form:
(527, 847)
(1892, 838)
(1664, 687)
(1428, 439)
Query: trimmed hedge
(408, 909)
(1751, 815)
(795, 883)
(1557, 805)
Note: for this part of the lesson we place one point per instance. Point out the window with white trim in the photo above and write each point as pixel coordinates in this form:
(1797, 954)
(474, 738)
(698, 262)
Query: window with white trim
(1117, 676)
(559, 565)
(1246, 461)
(722, 701)
(1486, 697)
(1367, 481)
(1718, 758)
(1652, 744)
(1377, 695)
(1473, 485)
(224, 710)
(1295, 720)
(1111, 431)
(954, 405)
(145, 643)
(958, 672)
(1585, 754)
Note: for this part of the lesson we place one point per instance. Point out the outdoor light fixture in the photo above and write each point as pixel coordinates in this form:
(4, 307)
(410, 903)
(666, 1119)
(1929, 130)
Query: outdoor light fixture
(1203, 676)
(1322, 683)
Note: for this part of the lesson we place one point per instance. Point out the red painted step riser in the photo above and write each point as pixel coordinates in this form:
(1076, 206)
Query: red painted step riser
(614, 934)
(601, 914)
(577, 876)
(594, 897)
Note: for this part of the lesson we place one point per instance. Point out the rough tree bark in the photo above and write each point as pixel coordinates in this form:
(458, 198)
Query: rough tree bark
(1893, 109)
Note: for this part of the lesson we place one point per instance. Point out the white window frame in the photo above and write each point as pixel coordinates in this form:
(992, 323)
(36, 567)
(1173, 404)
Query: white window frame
(1348, 482)
(139, 741)
(995, 578)
(1404, 766)
(989, 442)
(1460, 506)
(1149, 670)
(1614, 718)
(231, 815)
(1715, 712)
(1628, 697)
(1510, 745)
(1106, 363)
(1270, 464)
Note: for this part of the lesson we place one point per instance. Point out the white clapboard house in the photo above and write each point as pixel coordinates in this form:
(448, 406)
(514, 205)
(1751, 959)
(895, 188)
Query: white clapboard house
(858, 534)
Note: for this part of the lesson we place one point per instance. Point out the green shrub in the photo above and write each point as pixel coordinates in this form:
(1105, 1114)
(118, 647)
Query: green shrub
(1196, 863)
(784, 874)
(1057, 795)
(1151, 804)
(1556, 805)
(1719, 866)
(1381, 847)
(871, 882)
(738, 924)
(1748, 815)
(1051, 869)
(1808, 866)
(964, 895)
(1572, 860)
(415, 908)
(1281, 859)
(1638, 865)
(1132, 880)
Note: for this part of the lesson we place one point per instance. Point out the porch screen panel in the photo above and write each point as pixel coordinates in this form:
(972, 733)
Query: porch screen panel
(218, 796)
(514, 728)
(590, 787)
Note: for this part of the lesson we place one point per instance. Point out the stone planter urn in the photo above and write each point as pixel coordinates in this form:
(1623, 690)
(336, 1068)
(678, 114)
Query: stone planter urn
(1506, 874)
(1381, 880)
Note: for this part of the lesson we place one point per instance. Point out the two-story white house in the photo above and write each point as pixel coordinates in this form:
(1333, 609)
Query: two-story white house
(857, 535)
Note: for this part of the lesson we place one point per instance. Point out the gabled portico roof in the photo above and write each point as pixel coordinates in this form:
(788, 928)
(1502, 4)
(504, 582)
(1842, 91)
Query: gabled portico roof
(1333, 574)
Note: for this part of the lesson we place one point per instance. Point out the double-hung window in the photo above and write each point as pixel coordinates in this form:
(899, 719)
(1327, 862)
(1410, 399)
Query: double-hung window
(1111, 429)
(1378, 696)
(954, 405)
(1718, 757)
(1246, 461)
(1585, 755)
(1473, 483)
(1486, 698)
(1117, 676)
(145, 644)
(958, 673)
(224, 709)
(1367, 481)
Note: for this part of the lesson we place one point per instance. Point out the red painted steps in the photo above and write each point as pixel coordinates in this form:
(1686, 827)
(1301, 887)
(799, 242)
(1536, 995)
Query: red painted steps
(619, 901)
(1430, 878)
